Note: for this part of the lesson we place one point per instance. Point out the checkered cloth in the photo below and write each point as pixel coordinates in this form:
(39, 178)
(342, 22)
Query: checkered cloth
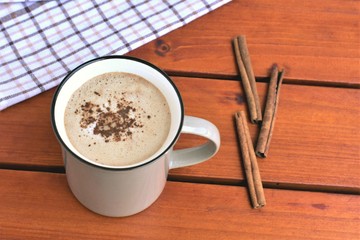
(40, 41)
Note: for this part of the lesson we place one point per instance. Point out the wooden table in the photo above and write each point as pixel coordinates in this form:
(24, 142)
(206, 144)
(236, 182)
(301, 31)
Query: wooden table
(311, 176)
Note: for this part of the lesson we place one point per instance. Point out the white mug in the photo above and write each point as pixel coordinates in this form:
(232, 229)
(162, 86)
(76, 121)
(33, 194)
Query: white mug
(119, 191)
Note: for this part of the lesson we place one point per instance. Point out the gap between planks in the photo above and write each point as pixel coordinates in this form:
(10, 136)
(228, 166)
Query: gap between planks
(206, 180)
(308, 82)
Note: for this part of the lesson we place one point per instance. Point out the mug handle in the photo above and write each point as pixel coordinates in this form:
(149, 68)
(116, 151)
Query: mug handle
(190, 156)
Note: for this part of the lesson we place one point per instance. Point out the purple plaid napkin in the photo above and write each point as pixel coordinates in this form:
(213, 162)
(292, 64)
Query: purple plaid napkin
(40, 41)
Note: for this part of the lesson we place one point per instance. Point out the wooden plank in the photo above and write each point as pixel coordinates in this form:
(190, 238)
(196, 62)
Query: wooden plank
(36, 205)
(316, 140)
(26, 133)
(314, 42)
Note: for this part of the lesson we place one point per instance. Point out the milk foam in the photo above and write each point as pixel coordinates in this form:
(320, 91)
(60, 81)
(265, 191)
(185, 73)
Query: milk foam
(117, 119)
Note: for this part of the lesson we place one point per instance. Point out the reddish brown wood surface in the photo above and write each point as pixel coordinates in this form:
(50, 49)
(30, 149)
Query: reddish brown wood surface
(316, 140)
(315, 146)
(41, 206)
(314, 42)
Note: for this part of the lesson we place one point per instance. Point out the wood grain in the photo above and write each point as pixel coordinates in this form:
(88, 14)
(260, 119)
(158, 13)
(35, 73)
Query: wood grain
(315, 139)
(315, 43)
(315, 143)
(315, 146)
(44, 208)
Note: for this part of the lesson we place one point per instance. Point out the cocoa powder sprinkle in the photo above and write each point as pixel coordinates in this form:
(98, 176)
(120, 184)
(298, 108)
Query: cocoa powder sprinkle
(115, 124)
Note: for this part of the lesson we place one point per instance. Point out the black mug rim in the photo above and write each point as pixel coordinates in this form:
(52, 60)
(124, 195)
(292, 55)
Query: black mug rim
(114, 168)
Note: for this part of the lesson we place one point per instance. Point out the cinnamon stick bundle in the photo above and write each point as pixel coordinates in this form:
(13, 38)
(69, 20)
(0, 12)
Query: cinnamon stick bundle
(248, 79)
(267, 126)
(252, 172)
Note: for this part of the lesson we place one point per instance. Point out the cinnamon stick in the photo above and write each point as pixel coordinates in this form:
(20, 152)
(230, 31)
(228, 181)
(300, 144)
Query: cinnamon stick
(252, 172)
(248, 79)
(272, 101)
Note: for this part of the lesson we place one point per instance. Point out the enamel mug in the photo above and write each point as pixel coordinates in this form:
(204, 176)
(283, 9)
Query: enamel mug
(119, 191)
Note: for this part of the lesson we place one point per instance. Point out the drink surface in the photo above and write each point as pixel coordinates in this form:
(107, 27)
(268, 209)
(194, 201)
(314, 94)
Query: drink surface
(117, 119)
